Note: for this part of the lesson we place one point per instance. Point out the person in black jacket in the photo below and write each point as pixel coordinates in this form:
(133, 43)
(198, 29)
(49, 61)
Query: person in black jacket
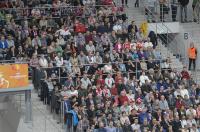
(153, 38)
(176, 124)
(132, 26)
(183, 8)
(127, 127)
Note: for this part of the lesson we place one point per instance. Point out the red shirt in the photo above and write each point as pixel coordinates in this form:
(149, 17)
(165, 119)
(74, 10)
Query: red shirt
(185, 75)
(114, 91)
(179, 104)
(88, 38)
(99, 92)
(127, 45)
(118, 47)
(117, 79)
(123, 99)
(101, 82)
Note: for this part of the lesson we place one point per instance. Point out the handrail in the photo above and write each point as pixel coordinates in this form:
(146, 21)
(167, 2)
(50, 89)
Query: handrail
(51, 6)
(168, 39)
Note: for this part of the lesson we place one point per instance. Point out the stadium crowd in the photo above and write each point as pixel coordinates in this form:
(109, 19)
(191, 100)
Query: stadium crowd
(109, 73)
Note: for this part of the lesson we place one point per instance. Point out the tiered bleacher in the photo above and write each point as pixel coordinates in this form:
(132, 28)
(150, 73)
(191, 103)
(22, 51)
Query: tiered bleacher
(107, 72)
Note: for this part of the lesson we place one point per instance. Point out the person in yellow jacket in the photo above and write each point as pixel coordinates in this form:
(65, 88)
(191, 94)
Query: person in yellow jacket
(192, 54)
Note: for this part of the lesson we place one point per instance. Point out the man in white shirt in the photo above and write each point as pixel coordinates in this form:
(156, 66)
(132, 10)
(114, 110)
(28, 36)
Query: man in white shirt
(91, 58)
(117, 27)
(64, 31)
(90, 47)
(109, 81)
(184, 91)
(85, 82)
(10, 41)
(191, 112)
(163, 104)
(43, 61)
(143, 78)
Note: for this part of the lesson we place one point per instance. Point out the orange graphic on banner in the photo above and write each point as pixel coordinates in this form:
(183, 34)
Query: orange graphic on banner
(13, 75)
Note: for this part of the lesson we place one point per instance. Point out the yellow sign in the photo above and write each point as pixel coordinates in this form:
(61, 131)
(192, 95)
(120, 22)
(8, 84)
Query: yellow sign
(13, 75)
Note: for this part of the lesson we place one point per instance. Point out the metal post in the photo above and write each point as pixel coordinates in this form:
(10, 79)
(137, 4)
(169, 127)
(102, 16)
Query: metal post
(28, 111)
(20, 101)
(160, 64)
(198, 11)
(72, 125)
(62, 113)
(162, 17)
(45, 124)
(59, 74)
(167, 43)
(136, 71)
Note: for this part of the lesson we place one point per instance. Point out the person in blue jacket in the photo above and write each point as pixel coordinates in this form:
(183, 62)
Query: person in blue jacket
(3, 43)
(143, 115)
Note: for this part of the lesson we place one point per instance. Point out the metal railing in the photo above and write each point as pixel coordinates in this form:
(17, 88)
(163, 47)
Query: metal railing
(168, 39)
(42, 121)
(171, 12)
(54, 12)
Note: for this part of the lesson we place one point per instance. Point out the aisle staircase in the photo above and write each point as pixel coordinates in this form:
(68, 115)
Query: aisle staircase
(193, 30)
(166, 53)
(138, 15)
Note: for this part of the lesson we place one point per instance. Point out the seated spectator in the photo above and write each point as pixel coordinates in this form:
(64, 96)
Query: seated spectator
(10, 41)
(143, 64)
(95, 62)
(143, 78)
(139, 35)
(163, 103)
(185, 74)
(3, 43)
(90, 47)
(43, 62)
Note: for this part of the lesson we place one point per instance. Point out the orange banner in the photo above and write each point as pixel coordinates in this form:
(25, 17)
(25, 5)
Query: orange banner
(13, 75)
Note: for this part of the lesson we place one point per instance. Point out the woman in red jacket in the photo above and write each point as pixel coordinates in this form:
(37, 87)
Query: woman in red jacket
(123, 98)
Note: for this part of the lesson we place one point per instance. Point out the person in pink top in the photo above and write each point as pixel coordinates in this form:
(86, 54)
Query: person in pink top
(127, 44)
(118, 46)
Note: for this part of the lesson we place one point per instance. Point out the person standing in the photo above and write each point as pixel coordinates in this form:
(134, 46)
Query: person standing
(163, 9)
(150, 7)
(174, 7)
(126, 2)
(183, 4)
(196, 10)
(136, 3)
(192, 54)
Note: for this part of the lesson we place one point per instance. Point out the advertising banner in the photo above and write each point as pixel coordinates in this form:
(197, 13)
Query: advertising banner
(13, 76)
